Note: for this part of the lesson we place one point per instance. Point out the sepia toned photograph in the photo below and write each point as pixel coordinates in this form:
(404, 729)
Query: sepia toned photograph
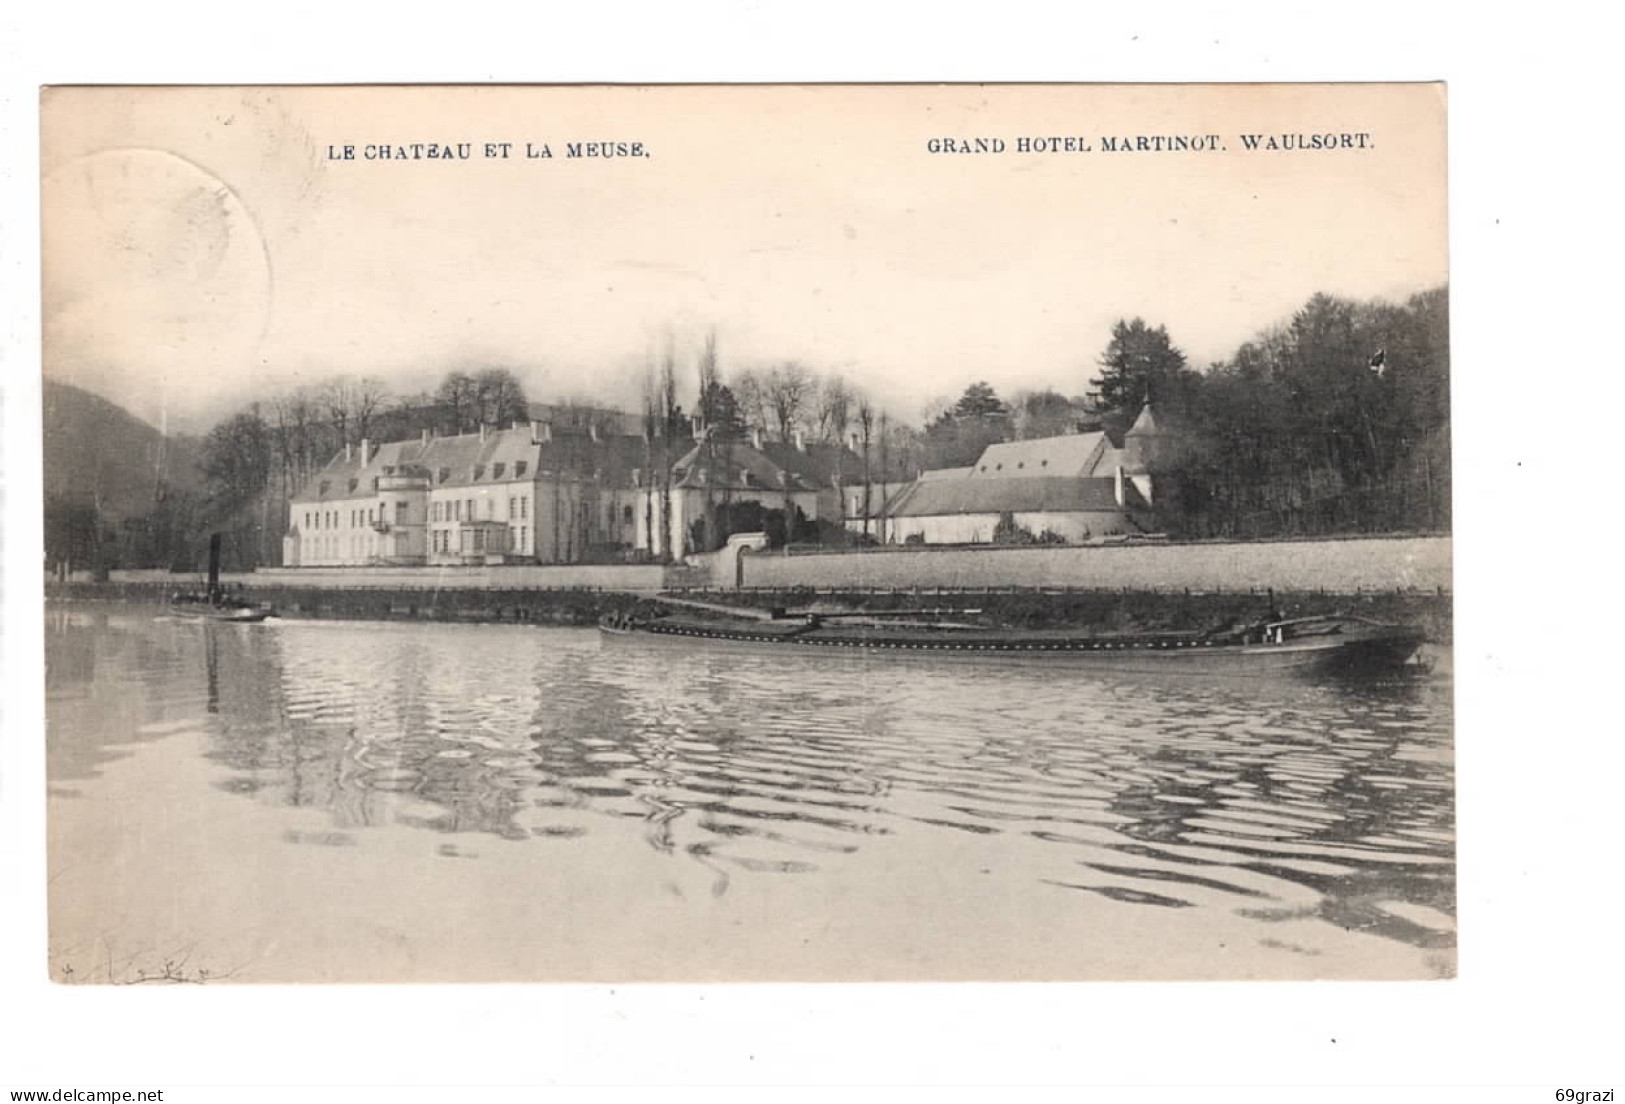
(747, 533)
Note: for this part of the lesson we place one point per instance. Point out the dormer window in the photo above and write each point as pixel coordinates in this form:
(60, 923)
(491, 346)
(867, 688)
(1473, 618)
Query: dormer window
(497, 470)
(354, 483)
(443, 474)
(389, 469)
(327, 485)
(479, 471)
(519, 467)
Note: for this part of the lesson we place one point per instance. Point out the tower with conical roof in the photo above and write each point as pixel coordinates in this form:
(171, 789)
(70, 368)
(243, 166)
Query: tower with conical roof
(1145, 450)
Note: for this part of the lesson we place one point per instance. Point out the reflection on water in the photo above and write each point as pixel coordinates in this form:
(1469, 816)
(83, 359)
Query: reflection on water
(835, 798)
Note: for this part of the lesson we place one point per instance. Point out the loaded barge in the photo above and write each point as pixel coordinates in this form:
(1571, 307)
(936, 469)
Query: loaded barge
(1306, 644)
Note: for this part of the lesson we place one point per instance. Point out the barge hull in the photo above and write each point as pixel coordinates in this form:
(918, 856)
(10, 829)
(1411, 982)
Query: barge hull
(1328, 653)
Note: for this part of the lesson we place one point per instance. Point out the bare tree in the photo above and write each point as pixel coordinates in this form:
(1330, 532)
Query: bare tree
(885, 466)
(499, 398)
(457, 395)
(834, 411)
(671, 430)
(662, 428)
(337, 397)
(789, 388)
(750, 389)
(351, 405)
(570, 462)
(651, 455)
(710, 388)
(866, 429)
(368, 398)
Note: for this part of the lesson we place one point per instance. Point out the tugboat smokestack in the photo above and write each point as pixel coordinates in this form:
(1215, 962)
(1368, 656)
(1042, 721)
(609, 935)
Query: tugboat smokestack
(214, 564)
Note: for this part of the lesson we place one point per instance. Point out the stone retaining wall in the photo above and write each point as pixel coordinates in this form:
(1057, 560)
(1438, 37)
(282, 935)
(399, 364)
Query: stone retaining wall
(1334, 566)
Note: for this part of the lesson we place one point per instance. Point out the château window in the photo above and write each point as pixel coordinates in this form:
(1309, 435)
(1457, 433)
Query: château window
(497, 470)
(444, 474)
(519, 467)
(479, 471)
(354, 483)
(325, 486)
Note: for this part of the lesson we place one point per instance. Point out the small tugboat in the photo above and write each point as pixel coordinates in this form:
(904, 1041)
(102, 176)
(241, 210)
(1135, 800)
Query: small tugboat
(215, 602)
(219, 608)
(1334, 642)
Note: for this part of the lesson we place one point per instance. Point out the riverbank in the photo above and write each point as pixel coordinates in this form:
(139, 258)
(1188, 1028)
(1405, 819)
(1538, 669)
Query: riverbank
(1010, 607)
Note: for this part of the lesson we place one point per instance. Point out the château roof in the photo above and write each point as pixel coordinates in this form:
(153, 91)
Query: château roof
(1019, 495)
(742, 465)
(1074, 454)
(498, 457)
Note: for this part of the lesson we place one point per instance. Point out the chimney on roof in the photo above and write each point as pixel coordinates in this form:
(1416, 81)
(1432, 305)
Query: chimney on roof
(696, 426)
(348, 453)
(592, 429)
(540, 432)
(366, 451)
(1122, 496)
(425, 438)
(801, 441)
(482, 431)
(756, 438)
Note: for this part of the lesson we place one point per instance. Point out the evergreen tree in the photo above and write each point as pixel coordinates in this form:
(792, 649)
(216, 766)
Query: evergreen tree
(1140, 364)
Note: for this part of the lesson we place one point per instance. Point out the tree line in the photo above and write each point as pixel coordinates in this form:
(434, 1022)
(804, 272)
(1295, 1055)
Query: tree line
(1335, 419)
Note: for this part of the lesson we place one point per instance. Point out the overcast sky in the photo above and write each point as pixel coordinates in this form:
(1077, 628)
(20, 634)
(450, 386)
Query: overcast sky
(202, 249)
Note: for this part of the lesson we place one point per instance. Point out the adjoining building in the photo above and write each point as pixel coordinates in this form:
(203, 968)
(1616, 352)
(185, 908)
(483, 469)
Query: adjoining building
(1073, 488)
(798, 477)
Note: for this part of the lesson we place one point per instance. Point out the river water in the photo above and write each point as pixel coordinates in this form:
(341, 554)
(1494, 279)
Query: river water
(347, 801)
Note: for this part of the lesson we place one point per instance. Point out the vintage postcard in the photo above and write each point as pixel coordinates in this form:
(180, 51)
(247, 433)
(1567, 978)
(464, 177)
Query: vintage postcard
(803, 533)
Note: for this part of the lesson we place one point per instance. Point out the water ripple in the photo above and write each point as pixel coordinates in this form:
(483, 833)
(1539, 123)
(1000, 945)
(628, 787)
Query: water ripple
(1271, 803)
